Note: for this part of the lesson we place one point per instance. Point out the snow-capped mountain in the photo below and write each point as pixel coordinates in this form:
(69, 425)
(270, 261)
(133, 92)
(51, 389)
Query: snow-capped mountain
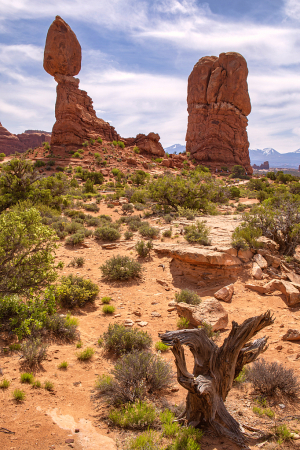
(276, 159)
(176, 148)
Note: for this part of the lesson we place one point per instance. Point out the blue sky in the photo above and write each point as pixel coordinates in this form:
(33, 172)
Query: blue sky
(137, 56)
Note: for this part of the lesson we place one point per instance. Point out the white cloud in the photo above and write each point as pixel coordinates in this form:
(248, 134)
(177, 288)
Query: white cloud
(141, 102)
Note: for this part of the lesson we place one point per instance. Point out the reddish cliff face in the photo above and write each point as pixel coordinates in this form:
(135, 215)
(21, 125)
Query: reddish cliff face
(218, 105)
(11, 143)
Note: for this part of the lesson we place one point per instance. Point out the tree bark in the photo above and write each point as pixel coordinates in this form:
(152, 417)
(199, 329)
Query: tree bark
(215, 368)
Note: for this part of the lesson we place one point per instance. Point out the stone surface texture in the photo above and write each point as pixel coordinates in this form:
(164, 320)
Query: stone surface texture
(218, 106)
(291, 335)
(210, 311)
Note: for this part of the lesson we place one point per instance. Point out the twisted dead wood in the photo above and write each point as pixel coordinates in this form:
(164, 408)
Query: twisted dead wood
(215, 368)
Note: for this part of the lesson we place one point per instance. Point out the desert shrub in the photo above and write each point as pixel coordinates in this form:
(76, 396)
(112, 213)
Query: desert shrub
(27, 378)
(170, 428)
(235, 192)
(19, 395)
(245, 236)
(108, 309)
(147, 231)
(15, 347)
(91, 207)
(121, 268)
(107, 233)
(168, 218)
(86, 354)
(75, 291)
(39, 163)
(167, 233)
(128, 235)
(197, 233)
(127, 208)
(139, 206)
(238, 171)
(77, 262)
(105, 300)
(48, 385)
(26, 252)
(63, 365)
(136, 150)
(136, 374)
(93, 221)
(144, 248)
(63, 327)
(187, 439)
(119, 339)
(183, 323)
(75, 239)
(34, 351)
(187, 296)
(269, 377)
(161, 347)
(139, 177)
(137, 415)
(242, 376)
(85, 144)
(208, 329)
(4, 384)
(283, 434)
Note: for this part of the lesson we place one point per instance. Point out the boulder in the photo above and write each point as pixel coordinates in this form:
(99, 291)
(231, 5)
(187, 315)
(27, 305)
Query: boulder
(62, 50)
(132, 161)
(257, 288)
(209, 311)
(225, 294)
(245, 255)
(257, 273)
(291, 335)
(218, 106)
(268, 243)
(291, 293)
(260, 260)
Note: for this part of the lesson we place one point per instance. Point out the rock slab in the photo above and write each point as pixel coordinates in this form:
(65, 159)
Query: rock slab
(209, 311)
(225, 294)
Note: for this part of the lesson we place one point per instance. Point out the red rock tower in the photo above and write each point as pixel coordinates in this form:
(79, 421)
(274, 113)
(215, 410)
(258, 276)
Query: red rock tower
(76, 118)
(218, 106)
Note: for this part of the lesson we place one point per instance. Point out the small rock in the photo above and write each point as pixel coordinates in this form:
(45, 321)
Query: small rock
(281, 405)
(69, 441)
(142, 324)
(162, 282)
(137, 313)
(77, 430)
(278, 348)
(172, 303)
(260, 260)
(291, 335)
(155, 314)
(128, 323)
(117, 315)
(295, 436)
(256, 271)
(225, 293)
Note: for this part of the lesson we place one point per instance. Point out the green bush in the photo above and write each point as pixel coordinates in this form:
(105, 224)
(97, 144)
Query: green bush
(121, 144)
(170, 428)
(89, 187)
(238, 171)
(48, 385)
(119, 339)
(19, 395)
(107, 233)
(187, 439)
(86, 355)
(85, 144)
(121, 268)
(135, 375)
(27, 247)
(63, 365)
(144, 248)
(167, 233)
(91, 207)
(128, 235)
(108, 309)
(197, 233)
(161, 347)
(137, 415)
(27, 378)
(183, 323)
(127, 208)
(105, 300)
(136, 150)
(245, 236)
(4, 384)
(208, 329)
(235, 192)
(75, 291)
(139, 177)
(75, 239)
(147, 231)
(77, 262)
(34, 351)
(187, 296)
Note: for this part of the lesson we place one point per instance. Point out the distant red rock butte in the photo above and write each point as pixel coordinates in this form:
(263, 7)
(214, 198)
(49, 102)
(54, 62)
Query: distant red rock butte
(11, 143)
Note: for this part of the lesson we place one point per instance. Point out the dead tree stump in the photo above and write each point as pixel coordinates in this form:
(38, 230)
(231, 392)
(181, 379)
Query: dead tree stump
(215, 368)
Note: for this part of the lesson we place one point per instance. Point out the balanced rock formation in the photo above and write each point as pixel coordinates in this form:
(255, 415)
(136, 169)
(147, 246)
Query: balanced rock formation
(218, 106)
(76, 118)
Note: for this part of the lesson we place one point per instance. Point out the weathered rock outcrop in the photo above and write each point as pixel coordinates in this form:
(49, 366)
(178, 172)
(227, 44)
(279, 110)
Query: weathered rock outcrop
(11, 143)
(263, 166)
(76, 118)
(200, 265)
(218, 106)
(209, 311)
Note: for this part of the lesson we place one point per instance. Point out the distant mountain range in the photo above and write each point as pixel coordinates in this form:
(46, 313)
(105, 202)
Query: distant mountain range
(259, 156)
(276, 159)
